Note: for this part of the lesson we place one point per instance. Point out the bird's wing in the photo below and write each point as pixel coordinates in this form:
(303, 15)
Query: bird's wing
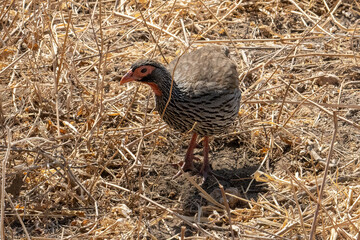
(204, 70)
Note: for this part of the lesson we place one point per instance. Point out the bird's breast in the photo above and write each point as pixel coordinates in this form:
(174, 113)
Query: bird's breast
(206, 114)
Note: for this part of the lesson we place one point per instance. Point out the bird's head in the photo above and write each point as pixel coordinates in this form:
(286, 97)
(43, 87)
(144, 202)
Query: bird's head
(146, 71)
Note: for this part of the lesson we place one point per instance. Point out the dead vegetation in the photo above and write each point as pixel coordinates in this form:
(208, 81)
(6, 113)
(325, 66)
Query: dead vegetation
(83, 157)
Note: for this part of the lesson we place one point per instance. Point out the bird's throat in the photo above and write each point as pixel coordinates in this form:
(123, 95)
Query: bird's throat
(155, 88)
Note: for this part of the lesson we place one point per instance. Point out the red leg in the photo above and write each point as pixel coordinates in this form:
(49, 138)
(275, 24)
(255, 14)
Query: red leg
(189, 157)
(205, 168)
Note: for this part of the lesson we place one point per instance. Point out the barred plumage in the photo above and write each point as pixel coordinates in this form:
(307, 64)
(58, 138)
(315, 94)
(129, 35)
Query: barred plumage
(207, 114)
(204, 98)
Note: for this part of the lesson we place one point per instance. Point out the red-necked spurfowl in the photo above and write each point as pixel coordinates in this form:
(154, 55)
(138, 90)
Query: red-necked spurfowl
(204, 97)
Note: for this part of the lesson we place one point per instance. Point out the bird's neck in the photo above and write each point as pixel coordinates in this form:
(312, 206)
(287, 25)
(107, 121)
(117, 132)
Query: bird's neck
(169, 88)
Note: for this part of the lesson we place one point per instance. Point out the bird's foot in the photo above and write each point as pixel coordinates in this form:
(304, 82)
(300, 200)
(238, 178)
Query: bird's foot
(186, 166)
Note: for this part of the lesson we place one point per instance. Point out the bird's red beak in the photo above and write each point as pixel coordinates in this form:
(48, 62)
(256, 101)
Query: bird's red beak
(128, 77)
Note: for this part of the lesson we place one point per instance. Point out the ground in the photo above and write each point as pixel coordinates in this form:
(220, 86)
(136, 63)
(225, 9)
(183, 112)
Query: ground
(86, 158)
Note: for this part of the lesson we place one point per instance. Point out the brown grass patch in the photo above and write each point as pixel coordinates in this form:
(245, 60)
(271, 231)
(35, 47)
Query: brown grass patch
(83, 157)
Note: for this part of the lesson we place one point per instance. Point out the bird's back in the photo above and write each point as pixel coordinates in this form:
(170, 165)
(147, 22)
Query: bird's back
(206, 69)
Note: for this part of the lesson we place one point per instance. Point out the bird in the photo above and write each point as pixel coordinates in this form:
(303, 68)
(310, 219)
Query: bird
(198, 92)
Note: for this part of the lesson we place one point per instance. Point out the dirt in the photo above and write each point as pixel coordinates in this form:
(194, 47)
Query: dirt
(231, 162)
(228, 165)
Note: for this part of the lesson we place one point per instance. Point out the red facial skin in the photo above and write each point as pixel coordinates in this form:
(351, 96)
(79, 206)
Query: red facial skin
(140, 73)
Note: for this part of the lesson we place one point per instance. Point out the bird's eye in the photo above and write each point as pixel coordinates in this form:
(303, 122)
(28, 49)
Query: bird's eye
(143, 70)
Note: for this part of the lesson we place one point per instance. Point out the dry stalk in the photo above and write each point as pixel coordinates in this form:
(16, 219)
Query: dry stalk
(150, 32)
(222, 26)
(271, 40)
(323, 184)
(227, 208)
(150, 25)
(310, 18)
(3, 179)
(329, 105)
(301, 217)
(59, 72)
(203, 192)
(17, 216)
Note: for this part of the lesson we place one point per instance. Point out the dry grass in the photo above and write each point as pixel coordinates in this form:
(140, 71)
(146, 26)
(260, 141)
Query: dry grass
(77, 148)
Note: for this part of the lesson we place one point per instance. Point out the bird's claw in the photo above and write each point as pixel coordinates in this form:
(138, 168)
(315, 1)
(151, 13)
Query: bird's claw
(186, 165)
(184, 168)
